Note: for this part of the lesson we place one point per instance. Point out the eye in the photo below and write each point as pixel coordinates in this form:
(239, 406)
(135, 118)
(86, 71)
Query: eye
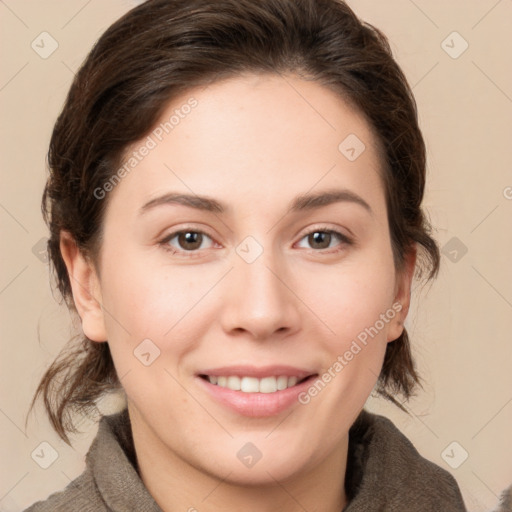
(191, 241)
(187, 240)
(323, 239)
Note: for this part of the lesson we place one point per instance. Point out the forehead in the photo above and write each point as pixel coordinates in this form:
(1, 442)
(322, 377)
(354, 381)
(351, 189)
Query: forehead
(254, 138)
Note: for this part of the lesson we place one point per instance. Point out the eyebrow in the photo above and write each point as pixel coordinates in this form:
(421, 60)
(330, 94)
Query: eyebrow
(304, 202)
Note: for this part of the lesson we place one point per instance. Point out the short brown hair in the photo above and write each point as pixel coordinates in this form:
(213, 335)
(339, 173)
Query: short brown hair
(163, 48)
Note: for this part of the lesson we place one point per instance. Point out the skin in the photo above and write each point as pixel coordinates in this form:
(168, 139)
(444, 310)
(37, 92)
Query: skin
(254, 143)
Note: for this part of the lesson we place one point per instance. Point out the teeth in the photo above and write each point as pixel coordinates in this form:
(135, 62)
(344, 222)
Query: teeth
(249, 385)
(268, 385)
(233, 383)
(252, 384)
(282, 382)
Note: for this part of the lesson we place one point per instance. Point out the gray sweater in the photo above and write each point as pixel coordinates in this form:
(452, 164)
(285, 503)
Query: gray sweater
(384, 473)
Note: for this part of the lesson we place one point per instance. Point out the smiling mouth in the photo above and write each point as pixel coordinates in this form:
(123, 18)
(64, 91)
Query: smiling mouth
(247, 384)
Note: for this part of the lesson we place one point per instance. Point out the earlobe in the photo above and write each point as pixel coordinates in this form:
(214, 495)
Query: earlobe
(86, 288)
(403, 294)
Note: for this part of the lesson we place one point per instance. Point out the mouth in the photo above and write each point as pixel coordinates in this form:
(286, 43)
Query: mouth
(247, 384)
(255, 392)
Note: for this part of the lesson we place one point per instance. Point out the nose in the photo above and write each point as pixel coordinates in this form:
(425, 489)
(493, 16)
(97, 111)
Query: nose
(260, 300)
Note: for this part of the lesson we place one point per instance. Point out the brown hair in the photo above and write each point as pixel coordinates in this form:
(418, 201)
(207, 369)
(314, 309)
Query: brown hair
(163, 48)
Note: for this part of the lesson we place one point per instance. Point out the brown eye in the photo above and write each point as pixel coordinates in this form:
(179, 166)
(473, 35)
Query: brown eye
(190, 240)
(187, 241)
(320, 239)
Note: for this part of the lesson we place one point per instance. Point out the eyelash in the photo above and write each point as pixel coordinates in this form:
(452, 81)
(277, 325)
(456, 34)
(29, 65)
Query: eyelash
(345, 241)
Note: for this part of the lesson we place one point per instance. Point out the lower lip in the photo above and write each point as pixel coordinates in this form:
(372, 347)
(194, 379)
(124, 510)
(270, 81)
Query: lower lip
(256, 404)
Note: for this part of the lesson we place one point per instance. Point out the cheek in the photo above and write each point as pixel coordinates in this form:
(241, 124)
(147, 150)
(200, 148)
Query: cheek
(352, 299)
(147, 314)
(155, 303)
(356, 303)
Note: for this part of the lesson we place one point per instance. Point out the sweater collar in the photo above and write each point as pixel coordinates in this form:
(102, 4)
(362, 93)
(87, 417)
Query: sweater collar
(384, 470)
(112, 461)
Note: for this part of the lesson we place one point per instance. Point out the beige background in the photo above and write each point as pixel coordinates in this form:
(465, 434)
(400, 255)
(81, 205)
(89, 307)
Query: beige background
(461, 331)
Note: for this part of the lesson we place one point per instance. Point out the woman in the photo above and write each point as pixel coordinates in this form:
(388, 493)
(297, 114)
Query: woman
(235, 213)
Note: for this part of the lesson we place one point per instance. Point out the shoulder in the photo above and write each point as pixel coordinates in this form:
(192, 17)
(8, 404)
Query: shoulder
(110, 480)
(387, 465)
(81, 494)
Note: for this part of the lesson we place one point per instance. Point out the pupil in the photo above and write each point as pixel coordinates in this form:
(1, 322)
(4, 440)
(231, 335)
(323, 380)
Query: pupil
(322, 238)
(190, 240)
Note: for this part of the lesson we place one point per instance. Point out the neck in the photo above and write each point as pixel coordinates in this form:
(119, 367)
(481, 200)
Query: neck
(175, 484)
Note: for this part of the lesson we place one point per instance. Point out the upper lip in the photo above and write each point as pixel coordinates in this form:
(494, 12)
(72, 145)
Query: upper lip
(258, 372)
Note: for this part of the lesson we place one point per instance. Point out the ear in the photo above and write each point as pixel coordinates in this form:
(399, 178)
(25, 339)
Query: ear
(86, 289)
(402, 294)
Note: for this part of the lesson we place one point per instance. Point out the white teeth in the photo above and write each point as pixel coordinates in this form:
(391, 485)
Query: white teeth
(249, 385)
(252, 384)
(268, 385)
(282, 382)
(233, 383)
(292, 381)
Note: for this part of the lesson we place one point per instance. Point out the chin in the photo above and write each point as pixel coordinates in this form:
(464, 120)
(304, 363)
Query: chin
(263, 473)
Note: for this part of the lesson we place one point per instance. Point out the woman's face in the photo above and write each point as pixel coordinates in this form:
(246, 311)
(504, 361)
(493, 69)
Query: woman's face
(283, 271)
